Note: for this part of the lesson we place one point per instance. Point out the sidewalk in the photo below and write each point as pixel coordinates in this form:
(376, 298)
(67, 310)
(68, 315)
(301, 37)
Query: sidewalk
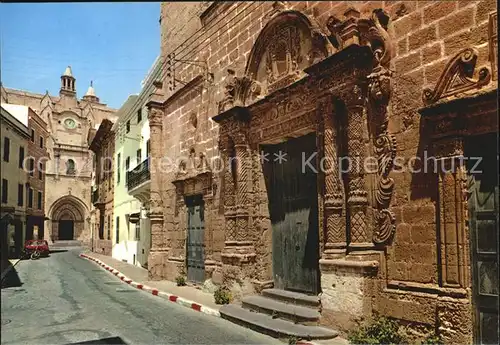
(187, 296)
(140, 275)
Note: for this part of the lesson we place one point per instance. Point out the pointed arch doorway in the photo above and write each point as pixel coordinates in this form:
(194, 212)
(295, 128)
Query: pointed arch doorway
(68, 214)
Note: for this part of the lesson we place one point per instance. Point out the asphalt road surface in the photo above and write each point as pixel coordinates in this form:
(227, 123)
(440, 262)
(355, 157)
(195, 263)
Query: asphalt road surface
(64, 299)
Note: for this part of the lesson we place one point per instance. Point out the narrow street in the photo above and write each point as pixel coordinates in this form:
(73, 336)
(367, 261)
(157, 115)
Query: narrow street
(64, 299)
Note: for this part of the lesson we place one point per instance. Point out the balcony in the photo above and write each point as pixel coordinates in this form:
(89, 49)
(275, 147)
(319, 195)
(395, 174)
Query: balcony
(138, 182)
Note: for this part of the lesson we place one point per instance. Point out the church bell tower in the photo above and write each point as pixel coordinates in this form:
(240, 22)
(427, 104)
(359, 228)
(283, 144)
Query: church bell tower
(68, 87)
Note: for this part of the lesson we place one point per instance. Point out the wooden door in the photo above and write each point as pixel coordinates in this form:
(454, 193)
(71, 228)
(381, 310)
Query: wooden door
(66, 229)
(195, 248)
(483, 225)
(293, 208)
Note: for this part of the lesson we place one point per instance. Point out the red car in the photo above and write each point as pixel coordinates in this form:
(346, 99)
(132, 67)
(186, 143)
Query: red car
(40, 245)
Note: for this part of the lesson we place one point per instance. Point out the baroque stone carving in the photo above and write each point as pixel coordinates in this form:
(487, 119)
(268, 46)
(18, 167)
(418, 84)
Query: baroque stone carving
(237, 90)
(155, 116)
(457, 77)
(378, 38)
(379, 92)
(283, 57)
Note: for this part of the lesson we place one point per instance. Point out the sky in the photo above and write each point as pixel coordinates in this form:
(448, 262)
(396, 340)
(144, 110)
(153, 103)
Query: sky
(112, 44)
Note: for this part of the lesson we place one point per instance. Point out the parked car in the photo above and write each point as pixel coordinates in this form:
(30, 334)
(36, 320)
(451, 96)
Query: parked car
(41, 245)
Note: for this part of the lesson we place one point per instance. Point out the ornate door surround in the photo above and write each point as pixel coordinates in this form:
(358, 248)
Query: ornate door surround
(292, 103)
(457, 110)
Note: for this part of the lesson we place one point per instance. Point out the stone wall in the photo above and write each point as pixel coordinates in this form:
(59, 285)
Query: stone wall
(408, 283)
(38, 150)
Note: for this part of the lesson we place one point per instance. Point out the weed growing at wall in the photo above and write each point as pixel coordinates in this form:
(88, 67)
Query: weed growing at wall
(378, 331)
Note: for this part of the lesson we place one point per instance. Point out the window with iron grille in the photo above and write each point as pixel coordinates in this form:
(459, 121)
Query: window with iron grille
(41, 142)
(32, 135)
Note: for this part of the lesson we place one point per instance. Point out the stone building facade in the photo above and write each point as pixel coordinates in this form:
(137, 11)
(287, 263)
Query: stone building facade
(70, 161)
(102, 145)
(386, 84)
(35, 190)
(132, 230)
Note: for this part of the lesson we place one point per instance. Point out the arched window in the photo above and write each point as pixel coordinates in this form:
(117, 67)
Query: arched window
(70, 167)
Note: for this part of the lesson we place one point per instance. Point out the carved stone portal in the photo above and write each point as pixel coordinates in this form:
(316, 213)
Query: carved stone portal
(457, 77)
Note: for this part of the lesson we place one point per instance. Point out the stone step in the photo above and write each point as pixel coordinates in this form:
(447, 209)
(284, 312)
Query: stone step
(292, 297)
(294, 313)
(277, 328)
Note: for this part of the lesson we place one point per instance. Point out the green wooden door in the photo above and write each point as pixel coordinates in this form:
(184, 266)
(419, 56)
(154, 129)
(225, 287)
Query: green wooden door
(195, 248)
(483, 224)
(293, 208)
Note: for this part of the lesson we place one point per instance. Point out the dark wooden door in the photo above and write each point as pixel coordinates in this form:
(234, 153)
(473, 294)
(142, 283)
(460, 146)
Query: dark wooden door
(293, 208)
(195, 248)
(66, 229)
(483, 224)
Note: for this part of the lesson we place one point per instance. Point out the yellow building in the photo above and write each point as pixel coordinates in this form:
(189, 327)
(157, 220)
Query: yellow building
(14, 143)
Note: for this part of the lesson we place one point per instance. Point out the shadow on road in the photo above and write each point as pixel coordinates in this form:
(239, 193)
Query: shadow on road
(11, 279)
(58, 251)
(107, 341)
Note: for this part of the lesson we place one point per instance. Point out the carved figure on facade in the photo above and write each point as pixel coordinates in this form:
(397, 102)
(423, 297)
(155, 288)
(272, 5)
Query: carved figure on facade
(155, 116)
(334, 26)
(156, 202)
(237, 90)
(379, 92)
(457, 77)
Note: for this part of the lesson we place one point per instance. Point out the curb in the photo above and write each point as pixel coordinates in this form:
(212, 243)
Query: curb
(153, 291)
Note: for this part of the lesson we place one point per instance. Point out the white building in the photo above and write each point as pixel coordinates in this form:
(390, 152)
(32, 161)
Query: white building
(132, 230)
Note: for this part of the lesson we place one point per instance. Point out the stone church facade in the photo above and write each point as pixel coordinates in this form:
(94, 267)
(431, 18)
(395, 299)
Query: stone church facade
(254, 118)
(69, 165)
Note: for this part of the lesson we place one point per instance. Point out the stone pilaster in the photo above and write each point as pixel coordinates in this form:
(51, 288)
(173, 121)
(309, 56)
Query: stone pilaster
(452, 213)
(335, 218)
(159, 250)
(357, 200)
(242, 187)
(238, 249)
(227, 150)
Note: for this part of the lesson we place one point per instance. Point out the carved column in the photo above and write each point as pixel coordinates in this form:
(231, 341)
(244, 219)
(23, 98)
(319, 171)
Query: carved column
(452, 196)
(155, 117)
(227, 150)
(238, 249)
(336, 240)
(242, 186)
(357, 200)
